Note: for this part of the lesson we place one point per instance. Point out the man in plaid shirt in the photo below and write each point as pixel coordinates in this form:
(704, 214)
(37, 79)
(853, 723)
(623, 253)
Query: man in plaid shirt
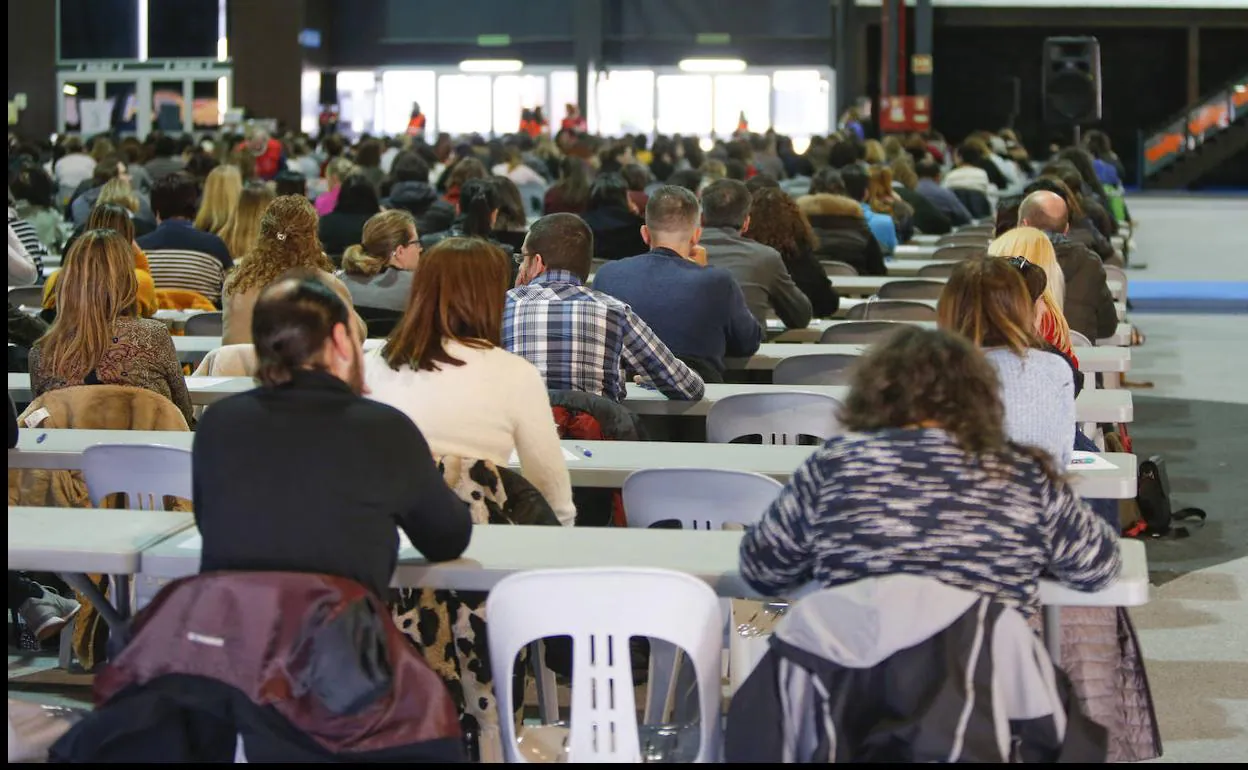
(578, 338)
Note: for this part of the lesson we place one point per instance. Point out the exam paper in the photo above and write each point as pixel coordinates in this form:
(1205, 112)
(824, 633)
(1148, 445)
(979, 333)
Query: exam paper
(1089, 461)
(200, 383)
(569, 456)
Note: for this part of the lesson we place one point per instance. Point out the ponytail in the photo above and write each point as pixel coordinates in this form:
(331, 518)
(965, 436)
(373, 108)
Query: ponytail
(478, 200)
(355, 261)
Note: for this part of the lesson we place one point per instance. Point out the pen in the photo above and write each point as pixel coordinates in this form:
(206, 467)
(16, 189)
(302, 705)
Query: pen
(582, 450)
(42, 436)
(1082, 460)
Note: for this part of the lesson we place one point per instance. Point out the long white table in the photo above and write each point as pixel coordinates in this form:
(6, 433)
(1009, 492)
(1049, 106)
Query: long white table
(608, 464)
(713, 557)
(1095, 359)
(1091, 405)
(847, 303)
(814, 331)
(75, 542)
(870, 285)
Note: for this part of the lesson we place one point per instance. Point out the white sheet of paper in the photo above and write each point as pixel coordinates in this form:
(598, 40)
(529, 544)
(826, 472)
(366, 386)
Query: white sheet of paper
(569, 456)
(96, 115)
(192, 543)
(1089, 461)
(199, 383)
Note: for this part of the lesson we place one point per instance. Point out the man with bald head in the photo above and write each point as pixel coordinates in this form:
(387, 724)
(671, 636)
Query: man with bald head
(1089, 304)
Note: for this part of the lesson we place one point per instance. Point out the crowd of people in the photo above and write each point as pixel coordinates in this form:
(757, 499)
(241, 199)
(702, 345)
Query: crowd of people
(473, 258)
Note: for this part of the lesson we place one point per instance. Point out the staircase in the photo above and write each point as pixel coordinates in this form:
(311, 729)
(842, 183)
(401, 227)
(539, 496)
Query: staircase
(1197, 139)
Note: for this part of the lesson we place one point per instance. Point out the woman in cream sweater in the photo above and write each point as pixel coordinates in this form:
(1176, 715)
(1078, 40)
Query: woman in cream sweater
(444, 367)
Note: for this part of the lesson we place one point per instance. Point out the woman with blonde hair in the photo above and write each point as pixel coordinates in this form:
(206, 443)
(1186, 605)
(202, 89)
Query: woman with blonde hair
(873, 152)
(1034, 246)
(111, 216)
(378, 270)
(243, 228)
(287, 240)
(221, 191)
(97, 337)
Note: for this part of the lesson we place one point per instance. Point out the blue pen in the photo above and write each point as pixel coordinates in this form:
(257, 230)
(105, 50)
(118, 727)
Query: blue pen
(42, 436)
(582, 450)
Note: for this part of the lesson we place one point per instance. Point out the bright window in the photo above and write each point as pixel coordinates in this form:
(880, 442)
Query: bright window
(309, 102)
(625, 102)
(684, 104)
(514, 93)
(400, 90)
(563, 93)
(802, 103)
(357, 96)
(464, 103)
(736, 95)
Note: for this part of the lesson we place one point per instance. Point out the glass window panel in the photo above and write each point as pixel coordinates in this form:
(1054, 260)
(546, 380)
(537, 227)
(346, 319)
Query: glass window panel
(684, 104)
(563, 93)
(512, 95)
(625, 100)
(464, 103)
(401, 89)
(84, 91)
(99, 29)
(168, 104)
(738, 95)
(186, 28)
(309, 102)
(357, 93)
(205, 106)
(125, 105)
(802, 103)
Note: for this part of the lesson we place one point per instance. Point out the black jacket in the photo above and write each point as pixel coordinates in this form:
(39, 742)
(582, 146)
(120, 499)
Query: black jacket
(339, 231)
(617, 233)
(421, 200)
(1089, 304)
(309, 477)
(842, 233)
(810, 277)
(906, 669)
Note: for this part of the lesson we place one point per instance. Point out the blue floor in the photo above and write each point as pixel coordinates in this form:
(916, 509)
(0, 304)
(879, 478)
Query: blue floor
(1188, 296)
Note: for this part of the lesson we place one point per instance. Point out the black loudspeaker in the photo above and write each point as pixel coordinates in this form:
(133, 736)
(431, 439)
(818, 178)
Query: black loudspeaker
(1072, 80)
(329, 88)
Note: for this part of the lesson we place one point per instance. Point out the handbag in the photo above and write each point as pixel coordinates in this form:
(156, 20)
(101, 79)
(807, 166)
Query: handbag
(1157, 517)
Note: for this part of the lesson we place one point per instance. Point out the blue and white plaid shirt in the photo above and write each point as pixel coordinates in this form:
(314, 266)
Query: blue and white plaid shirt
(584, 340)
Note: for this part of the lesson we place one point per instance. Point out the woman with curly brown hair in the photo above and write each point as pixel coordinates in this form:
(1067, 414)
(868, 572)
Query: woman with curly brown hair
(926, 483)
(776, 221)
(287, 240)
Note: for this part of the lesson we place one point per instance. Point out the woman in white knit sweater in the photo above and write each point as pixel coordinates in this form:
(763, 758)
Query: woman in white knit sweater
(987, 301)
(445, 369)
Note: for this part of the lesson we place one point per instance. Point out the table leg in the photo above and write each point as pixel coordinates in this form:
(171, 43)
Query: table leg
(83, 585)
(1052, 615)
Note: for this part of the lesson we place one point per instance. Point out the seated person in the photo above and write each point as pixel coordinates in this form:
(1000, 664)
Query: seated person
(98, 336)
(260, 501)
(699, 312)
(986, 301)
(578, 338)
(613, 218)
(758, 269)
(840, 226)
(110, 216)
(180, 256)
(357, 201)
(776, 221)
(445, 368)
(857, 186)
(985, 514)
(942, 198)
(378, 270)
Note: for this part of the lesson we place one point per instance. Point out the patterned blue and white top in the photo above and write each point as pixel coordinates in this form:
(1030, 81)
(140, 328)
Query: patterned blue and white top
(910, 501)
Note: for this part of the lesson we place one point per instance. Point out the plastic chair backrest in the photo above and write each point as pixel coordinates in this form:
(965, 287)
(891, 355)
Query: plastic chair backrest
(892, 310)
(959, 252)
(534, 197)
(601, 609)
(985, 229)
(780, 418)
(145, 473)
(917, 288)
(833, 268)
(859, 332)
(937, 270)
(964, 239)
(1080, 340)
(26, 296)
(814, 369)
(1115, 273)
(699, 498)
(204, 325)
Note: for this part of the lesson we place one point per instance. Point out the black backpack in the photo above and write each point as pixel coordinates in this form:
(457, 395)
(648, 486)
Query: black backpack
(1153, 498)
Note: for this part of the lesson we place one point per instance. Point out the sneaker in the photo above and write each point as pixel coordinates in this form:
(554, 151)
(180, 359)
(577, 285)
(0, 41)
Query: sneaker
(46, 615)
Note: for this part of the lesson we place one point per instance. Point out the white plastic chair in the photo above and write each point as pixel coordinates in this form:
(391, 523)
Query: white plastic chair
(834, 267)
(892, 310)
(26, 296)
(1115, 273)
(957, 253)
(204, 325)
(913, 288)
(533, 197)
(601, 609)
(937, 270)
(1079, 340)
(814, 369)
(860, 332)
(145, 473)
(780, 418)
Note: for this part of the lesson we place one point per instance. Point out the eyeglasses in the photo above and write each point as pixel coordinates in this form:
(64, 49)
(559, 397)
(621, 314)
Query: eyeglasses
(519, 257)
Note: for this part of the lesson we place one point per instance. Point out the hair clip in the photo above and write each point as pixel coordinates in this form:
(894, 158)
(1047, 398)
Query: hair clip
(281, 236)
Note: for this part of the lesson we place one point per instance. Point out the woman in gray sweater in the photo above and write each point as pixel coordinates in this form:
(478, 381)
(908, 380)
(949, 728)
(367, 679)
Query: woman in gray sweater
(987, 301)
(378, 271)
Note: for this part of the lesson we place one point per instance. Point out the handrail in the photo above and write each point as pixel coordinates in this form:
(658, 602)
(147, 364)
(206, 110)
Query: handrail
(1192, 126)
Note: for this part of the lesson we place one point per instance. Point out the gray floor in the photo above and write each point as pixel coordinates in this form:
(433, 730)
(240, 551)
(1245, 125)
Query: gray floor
(1194, 632)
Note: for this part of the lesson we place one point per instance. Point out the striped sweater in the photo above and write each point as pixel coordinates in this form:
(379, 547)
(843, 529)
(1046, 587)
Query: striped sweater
(909, 501)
